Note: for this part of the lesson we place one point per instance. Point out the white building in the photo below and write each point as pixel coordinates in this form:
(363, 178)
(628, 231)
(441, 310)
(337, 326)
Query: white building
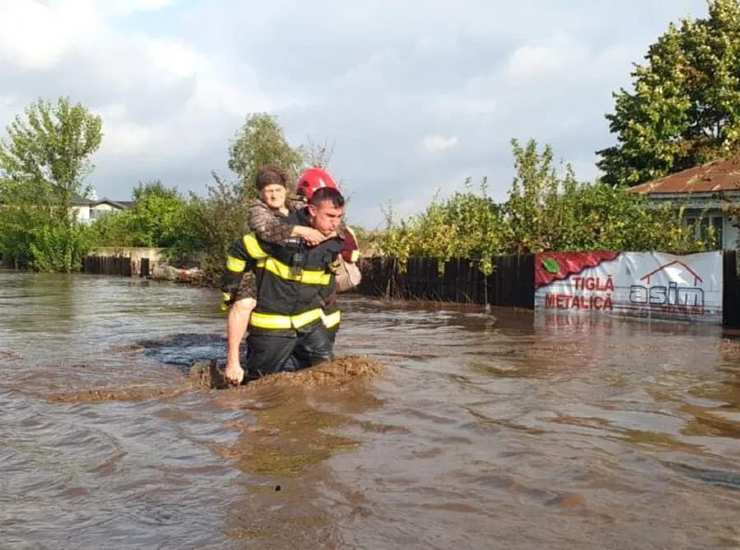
(89, 210)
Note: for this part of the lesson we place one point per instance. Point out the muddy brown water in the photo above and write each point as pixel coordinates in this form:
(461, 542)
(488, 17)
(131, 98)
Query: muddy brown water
(442, 427)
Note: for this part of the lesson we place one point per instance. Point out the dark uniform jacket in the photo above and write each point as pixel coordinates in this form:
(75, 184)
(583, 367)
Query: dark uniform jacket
(293, 281)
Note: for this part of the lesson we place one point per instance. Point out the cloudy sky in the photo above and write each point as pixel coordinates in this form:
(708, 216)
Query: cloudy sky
(414, 96)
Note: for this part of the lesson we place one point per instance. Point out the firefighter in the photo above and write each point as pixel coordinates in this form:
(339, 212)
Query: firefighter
(289, 329)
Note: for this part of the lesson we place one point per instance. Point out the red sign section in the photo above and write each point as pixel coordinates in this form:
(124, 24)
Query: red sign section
(555, 266)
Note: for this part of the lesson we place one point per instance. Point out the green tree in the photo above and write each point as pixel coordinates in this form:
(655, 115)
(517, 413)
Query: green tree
(531, 211)
(684, 109)
(261, 141)
(157, 214)
(43, 163)
(155, 219)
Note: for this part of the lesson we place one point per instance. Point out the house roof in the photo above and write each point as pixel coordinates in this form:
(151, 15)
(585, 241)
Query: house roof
(118, 204)
(712, 177)
(81, 201)
(77, 200)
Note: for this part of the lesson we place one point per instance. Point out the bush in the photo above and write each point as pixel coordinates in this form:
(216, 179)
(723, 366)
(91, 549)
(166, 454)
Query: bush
(544, 211)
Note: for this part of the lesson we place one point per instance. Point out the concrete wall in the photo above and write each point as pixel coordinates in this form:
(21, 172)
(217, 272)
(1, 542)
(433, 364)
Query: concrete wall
(136, 253)
(155, 255)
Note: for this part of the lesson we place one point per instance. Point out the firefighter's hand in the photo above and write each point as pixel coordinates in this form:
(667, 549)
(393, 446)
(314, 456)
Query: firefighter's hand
(234, 374)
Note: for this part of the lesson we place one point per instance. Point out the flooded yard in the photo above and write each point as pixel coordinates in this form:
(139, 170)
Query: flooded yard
(443, 426)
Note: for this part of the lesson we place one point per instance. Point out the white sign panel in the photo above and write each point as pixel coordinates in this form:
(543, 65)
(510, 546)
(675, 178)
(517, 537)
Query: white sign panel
(642, 284)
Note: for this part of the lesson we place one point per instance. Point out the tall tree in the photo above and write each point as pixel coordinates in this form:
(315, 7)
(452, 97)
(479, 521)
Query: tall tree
(685, 105)
(43, 163)
(261, 141)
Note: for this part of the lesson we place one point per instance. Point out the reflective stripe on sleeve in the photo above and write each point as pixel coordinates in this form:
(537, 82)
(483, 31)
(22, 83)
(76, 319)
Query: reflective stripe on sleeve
(235, 264)
(253, 247)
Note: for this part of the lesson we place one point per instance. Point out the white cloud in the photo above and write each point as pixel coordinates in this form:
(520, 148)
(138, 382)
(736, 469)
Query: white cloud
(536, 62)
(32, 35)
(437, 144)
(127, 7)
(173, 58)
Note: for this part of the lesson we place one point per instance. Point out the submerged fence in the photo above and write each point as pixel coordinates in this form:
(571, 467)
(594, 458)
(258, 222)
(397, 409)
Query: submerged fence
(458, 280)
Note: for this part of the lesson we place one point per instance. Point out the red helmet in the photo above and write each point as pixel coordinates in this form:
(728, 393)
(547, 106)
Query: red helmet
(313, 179)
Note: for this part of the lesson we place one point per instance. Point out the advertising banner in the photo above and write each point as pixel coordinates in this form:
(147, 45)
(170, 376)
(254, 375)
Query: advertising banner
(637, 284)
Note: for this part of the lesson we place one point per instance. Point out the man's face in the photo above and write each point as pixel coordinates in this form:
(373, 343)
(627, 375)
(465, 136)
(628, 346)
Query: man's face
(325, 217)
(273, 195)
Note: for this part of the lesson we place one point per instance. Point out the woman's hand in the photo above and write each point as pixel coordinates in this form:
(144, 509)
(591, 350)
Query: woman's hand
(310, 235)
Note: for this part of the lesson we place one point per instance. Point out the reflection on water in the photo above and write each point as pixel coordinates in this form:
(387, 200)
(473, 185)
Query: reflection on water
(500, 430)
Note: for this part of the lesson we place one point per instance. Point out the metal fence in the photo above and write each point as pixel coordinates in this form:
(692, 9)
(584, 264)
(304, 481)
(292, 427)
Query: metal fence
(458, 280)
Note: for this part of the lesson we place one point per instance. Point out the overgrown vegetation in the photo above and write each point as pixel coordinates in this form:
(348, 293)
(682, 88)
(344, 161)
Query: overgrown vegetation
(544, 211)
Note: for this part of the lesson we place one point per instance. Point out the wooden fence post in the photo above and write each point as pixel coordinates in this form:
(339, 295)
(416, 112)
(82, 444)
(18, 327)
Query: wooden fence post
(730, 290)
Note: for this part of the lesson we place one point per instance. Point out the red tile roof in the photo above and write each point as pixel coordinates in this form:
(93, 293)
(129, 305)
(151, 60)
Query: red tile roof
(718, 175)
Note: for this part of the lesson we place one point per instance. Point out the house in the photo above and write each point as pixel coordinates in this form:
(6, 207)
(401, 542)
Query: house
(88, 210)
(710, 194)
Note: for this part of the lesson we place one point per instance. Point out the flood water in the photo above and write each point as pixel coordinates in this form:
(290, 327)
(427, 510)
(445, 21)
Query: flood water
(480, 430)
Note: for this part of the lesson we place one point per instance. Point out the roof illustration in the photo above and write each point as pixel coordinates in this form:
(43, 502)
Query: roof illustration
(697, 278)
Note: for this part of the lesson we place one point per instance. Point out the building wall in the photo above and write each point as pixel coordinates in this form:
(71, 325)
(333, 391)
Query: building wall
(86, 214)
(718, 219)
(731, 240)
(82, 213)
(101, 210)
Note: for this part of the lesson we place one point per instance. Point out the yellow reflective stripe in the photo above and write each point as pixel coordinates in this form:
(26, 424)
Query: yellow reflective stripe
(307, 317)
(226, 296)
(305, 276)
(235, 264)
(332, 319)
(276, 267)
(284, 322)
(265, 320)
(253, 247)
